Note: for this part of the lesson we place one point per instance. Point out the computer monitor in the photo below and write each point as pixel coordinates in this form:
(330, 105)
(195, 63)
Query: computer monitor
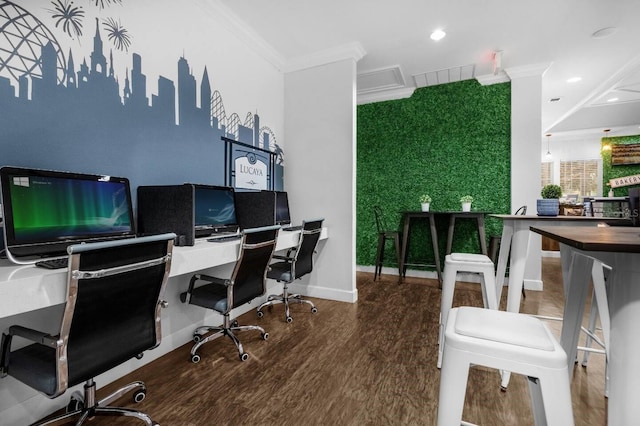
(282, 209)
(45, 211)
(214, 210)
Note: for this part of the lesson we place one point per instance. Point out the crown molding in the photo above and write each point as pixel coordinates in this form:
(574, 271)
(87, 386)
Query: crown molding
(489, 79)
(532, 70)
(385, 95)
(353, 50)
(225, 17)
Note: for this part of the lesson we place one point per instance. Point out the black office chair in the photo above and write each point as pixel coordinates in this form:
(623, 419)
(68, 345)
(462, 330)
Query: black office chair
(111, 315)
(384, 234)
(297, 263)
(248, 281)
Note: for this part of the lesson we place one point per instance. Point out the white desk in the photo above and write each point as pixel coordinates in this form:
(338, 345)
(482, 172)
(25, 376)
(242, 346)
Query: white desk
(28, 288)
(618, 247)
(515, 237)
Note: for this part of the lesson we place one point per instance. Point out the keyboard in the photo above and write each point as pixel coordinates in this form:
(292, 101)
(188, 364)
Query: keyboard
(292, 228)
(224, 238)
(58, 263)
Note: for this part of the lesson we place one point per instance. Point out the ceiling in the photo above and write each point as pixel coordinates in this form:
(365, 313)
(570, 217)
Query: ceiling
(397, 54)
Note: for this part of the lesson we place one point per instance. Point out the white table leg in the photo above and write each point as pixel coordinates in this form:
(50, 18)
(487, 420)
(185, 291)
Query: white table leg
(576, 288)
(503, 256)
(624, 368)
(519, 253)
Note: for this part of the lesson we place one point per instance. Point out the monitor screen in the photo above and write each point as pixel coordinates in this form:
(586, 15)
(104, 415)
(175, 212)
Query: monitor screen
(282, 209)
(46, 211)
(214, 208)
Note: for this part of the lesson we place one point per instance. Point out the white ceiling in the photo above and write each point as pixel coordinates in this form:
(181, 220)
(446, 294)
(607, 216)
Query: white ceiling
(397, 55)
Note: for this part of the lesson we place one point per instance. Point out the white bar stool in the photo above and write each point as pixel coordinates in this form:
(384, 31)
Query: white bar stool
(465, 262)
(599, 308)
(510, 341)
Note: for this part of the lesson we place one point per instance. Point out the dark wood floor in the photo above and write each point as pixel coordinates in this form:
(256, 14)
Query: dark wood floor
(368, 363)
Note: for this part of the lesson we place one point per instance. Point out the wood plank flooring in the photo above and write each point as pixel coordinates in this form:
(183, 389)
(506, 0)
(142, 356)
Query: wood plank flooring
(368, 363)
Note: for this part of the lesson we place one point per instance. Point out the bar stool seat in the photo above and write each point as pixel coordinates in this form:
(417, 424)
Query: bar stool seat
(465, 262)
(507, 341)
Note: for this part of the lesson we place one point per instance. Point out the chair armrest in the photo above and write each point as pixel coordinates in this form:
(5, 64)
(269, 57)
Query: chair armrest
(26, 333)
(35, 336)
(215, 280)
(285, 258)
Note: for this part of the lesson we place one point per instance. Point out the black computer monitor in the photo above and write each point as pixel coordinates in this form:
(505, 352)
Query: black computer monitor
(282, 209)
(214, 209)
(45, 211)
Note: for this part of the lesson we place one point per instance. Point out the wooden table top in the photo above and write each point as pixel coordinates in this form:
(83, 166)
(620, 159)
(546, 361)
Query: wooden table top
(608, 220)
(611, 238)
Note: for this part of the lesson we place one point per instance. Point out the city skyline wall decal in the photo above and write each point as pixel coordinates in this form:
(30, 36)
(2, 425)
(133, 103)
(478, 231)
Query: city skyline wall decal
(71, 113)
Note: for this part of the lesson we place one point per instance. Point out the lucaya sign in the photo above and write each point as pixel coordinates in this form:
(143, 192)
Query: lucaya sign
(624, 181)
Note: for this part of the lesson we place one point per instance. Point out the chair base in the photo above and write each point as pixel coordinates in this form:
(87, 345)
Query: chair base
(285, 299)
(226, 329)
(84, 406)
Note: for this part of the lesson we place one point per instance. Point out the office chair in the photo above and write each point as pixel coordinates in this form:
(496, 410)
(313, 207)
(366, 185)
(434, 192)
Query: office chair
(297, 263)
(111, 315)
(385, 234)
(248, 281)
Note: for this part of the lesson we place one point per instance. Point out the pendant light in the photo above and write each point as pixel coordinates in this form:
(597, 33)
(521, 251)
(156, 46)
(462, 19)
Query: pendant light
(607, 145)
(548, 154)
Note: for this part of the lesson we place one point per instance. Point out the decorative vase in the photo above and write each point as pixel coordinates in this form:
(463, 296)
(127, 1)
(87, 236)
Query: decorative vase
(466, 207)
(425, 207)
(548, 207)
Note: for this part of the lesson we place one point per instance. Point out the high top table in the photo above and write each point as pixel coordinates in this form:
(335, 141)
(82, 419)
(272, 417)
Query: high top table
(618, 247)
(515, 240)
(410, 216)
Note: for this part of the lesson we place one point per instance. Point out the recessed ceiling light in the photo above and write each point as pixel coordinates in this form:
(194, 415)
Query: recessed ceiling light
(438, 35)
(612, 99)
(574, 79)
(604, 32)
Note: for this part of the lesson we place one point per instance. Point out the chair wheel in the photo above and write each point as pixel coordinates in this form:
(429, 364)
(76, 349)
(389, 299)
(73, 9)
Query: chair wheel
(197, 338)
(314, 310)
(244, 356)
(260, 314)
(265, 336)
(234, 323)
(140, 395)
(74, 405)
(195, 358)
(289, 320)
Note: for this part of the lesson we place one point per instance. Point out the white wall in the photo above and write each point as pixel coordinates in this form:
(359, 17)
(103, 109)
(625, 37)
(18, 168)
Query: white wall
(320, 105)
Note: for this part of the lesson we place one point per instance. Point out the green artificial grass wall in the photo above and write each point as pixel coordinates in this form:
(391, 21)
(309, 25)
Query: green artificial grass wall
(611, 172)
(445, 141)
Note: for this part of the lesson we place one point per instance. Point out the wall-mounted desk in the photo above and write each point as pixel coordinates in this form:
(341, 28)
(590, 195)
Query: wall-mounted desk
(25, 288)
(409, 216)
(618, 247)
(39, 294)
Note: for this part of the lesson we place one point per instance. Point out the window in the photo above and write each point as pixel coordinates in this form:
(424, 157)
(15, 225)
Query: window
(579, 177)
(546, 173)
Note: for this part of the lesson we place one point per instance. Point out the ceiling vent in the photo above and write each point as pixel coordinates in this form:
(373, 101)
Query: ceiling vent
(449, 75)
(380, 80)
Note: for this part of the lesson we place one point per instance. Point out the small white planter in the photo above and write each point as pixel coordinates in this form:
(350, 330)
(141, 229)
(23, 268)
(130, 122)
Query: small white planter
(466, 207)
(425, 207)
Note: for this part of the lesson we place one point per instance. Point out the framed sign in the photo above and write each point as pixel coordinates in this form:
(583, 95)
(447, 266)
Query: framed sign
(248, 166)
(624, 154)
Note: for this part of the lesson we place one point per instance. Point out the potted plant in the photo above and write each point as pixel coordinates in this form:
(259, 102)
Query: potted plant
(425, 200)
(466, 201)
(549, 204)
